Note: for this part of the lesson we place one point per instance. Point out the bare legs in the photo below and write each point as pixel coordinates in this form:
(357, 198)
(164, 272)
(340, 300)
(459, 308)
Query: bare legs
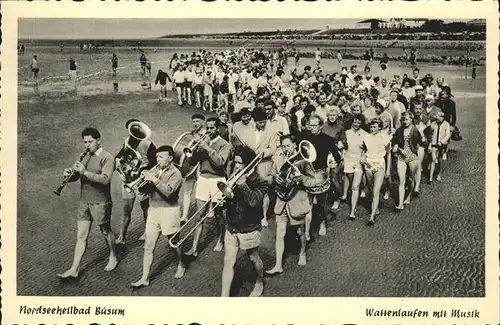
(149, 246)
(83, 230)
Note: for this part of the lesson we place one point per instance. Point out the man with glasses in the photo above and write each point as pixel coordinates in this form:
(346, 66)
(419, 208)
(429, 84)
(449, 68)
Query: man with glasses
(324, 146)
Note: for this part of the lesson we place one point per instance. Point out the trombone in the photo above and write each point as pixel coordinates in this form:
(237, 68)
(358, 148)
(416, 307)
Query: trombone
(139, 182)
(225, 188)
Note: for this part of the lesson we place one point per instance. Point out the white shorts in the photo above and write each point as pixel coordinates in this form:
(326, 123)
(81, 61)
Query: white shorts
(206, 189)
(352, 163)
(164, 219)
(243, 241)
(72, 74)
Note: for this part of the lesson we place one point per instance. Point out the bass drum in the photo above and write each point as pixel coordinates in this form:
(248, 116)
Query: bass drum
(181, 161)
(322, 183)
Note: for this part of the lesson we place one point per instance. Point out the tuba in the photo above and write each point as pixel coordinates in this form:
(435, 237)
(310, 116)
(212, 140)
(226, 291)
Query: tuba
(286, 182)
(184, 147)
(131, 159)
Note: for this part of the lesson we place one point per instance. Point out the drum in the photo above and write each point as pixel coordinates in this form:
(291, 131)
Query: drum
(181, 160)
(322, 183)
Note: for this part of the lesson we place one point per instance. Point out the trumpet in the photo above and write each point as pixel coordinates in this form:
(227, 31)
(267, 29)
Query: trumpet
(67, 178)
(225, 189)
(188, 151)
(140, 182)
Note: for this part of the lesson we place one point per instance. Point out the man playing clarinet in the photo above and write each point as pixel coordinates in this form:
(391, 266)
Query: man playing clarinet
(94, 173)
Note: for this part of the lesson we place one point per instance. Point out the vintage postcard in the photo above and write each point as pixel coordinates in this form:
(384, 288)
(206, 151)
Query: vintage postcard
(240, 162)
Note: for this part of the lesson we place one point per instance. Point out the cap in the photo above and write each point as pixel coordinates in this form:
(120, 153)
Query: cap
(165, 148)
(419, 87)
(429, 97)
(198, 116)
(245, 111)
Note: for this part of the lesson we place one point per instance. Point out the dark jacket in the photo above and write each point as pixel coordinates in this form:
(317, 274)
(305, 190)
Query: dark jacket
(162, 78)
(415, 139)
(324, 145)
(449, 110)
(244, 211)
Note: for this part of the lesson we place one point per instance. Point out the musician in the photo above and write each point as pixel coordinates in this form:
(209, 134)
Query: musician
(213, 156)
(164, 215)
(261, 139)
(291, 212)
(198, 124)
(324, 146)
(147, 151)
(94, 173)
(243, 222)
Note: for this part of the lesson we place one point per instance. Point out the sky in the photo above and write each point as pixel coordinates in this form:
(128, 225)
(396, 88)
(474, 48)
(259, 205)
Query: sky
(61, 28)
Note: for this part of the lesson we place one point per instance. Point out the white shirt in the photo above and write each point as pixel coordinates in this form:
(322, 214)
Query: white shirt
(322, 112)
(354, 141)
(220, 76)
(368, 83)
(190, 76)
(278, 124)
(300, 114)
(253, 85)
(179, 76)
(375, 145)
(258, 135)
(198, 79)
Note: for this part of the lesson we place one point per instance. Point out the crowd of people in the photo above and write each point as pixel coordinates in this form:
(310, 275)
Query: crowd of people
(300, 141)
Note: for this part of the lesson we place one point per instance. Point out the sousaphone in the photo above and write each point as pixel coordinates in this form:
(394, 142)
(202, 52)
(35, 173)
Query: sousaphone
(131, 160)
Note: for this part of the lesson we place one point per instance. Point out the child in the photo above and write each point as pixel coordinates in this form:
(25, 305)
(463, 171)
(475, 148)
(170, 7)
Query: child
(440, 135)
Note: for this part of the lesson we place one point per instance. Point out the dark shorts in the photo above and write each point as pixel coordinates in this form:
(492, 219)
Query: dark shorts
(188, 84)
(98, 212)
(35, 70)
(179, 84)
(198, 88)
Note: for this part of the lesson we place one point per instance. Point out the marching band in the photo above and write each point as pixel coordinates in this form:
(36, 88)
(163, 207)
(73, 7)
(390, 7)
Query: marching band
(295, 148)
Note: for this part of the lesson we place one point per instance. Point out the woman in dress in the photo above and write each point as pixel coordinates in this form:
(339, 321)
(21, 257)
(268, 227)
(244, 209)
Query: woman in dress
(406, 141)
(376, 151)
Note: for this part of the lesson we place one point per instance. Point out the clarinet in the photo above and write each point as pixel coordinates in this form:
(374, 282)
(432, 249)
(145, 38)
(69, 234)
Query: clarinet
(66, 179)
